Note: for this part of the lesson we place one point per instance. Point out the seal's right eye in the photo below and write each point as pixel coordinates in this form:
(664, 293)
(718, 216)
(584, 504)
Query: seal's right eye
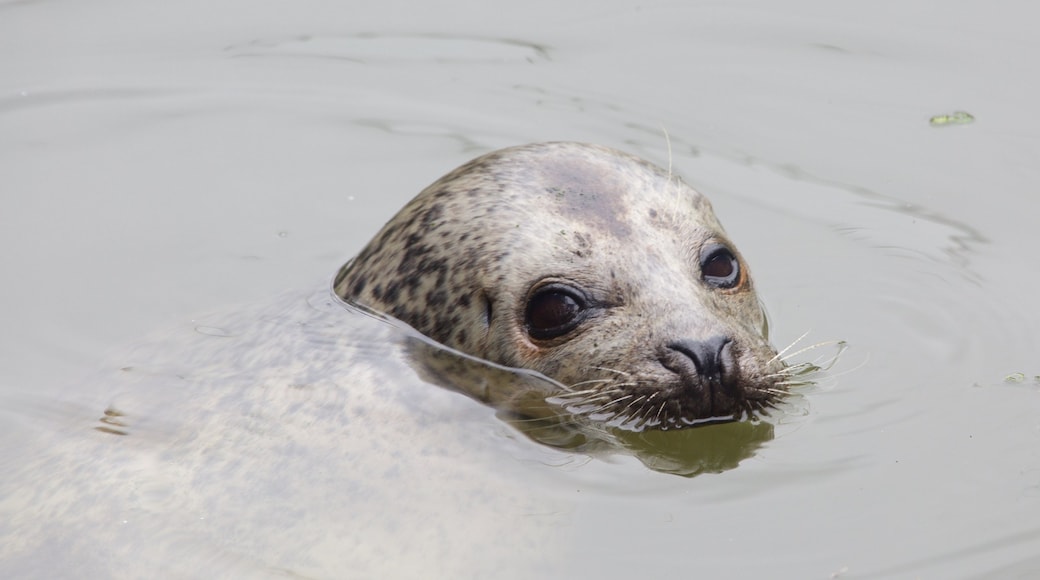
(553, 311)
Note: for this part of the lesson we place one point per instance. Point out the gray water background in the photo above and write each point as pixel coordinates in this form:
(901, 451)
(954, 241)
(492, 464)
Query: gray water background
(162, 159)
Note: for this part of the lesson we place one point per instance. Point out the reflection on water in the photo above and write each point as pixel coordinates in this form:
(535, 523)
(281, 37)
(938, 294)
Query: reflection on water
(707, 448)
(527, 401)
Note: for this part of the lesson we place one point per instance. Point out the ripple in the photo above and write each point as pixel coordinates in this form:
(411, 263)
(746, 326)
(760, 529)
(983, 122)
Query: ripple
(383, 48)
(26, 98)
(215, 331)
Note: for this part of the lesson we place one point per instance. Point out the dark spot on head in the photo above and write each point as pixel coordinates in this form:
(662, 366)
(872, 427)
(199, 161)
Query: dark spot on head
(583, 243)
(392, 291)
(432, 217)
(413, 255)
(359, 286)
(436, 298)
(587, 193)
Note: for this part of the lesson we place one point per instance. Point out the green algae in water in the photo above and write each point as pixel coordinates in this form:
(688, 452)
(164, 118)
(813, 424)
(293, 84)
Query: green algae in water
(954, 118)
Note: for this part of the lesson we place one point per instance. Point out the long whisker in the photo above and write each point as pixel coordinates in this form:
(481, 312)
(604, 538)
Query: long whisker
(788, 347)
(640, 414)
(841, 344)
(668, 181)
(589, 382)
(788, 384)
(659, 411)
(578, 393)
(630, 403)
(607, 405)
(842, 347)
(610, 370)
(802, 368)
(847, 371)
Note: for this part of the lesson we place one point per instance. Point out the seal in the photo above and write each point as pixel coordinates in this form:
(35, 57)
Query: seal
(286, 438)
(596, 268)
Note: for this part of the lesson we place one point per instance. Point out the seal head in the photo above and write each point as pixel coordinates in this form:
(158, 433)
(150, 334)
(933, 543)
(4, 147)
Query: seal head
(594, 267)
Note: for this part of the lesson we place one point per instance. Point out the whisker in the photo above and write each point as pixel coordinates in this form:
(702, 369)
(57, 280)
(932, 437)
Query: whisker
(610, 370)
(590, 381)
(788, 347)
(789, 384)
(579, 393)
(842, 347)
(841, 344)
(632, 402)
(608, 405)
(748, 409)
(668, 181)
(595, 397)
(641, 412)
(659, 411)
(805, 369)
(847, 371)
(799, 370)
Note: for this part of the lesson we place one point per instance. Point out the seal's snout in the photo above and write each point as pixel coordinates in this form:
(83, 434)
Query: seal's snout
(707, 362)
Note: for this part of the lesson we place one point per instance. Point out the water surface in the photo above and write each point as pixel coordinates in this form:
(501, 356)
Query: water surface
(162, 160)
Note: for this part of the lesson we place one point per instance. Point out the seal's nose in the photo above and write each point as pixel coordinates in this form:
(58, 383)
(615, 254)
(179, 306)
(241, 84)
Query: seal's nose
(707, 356)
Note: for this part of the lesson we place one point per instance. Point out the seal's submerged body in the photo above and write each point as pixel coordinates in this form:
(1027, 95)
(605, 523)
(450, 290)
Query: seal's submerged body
(291, 439)
(307, 439)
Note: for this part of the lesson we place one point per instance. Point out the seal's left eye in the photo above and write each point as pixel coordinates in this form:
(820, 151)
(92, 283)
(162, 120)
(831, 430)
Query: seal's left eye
(719, 267)
(553, 311)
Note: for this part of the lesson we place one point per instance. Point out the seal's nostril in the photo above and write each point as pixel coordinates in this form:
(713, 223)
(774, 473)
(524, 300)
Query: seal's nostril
(705, 354)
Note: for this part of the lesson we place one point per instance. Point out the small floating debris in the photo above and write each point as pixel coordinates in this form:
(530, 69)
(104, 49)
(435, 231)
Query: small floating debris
(1020, 378)
(954, 118)
(114, 424)
(214, 331)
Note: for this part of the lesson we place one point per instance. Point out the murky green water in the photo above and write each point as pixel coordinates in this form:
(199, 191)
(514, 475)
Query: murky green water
(161, 160)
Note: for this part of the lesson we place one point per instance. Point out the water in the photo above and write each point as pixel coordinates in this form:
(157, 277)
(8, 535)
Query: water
(161, 160)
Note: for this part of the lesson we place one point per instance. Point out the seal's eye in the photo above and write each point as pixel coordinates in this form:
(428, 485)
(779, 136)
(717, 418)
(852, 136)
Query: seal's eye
(719, 267)
(553, 310)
